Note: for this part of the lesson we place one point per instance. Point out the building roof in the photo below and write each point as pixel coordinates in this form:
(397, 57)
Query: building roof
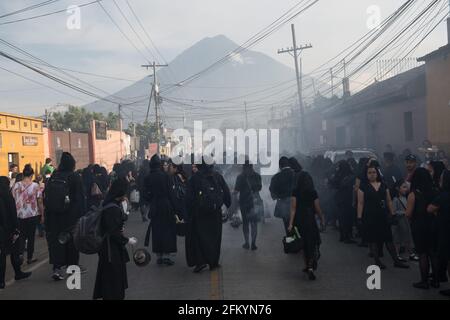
(390, 90)
(442, 51)
(20, 116)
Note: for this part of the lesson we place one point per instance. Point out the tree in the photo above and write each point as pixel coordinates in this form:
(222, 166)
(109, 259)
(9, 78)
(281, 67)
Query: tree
(146, 131)
(79, 119)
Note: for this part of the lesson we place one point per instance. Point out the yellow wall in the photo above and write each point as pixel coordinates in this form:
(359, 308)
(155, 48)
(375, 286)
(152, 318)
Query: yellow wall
(438, 99)
(13, 129)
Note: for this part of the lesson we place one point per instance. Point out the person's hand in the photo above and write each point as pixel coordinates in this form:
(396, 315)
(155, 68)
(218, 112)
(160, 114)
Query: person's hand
(132, 241)
(290, 228)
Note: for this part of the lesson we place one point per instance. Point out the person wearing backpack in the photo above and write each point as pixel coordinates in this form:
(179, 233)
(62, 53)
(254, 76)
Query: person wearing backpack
(207, 191)
(162, 214)
(281, 186)
(111, 280)
(64, 203)
(28, 197)
(248, 185)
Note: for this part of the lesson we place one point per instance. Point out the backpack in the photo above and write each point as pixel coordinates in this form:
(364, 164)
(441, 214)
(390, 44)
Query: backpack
(210, 195)
(88, 235)
(57, 193)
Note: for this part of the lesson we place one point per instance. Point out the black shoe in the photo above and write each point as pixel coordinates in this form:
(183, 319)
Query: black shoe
(445, 293)
(198, 269)
(22, 275)
(30, 261)
(401, 259)
(435, 284)
(311, 275)
(421, 285)
(246, 246)
(168, 262)
(401, 265)
(254, 247)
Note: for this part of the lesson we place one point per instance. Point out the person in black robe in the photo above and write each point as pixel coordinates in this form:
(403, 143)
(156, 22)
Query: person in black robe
(281, 186)
(111, 280)
(56, 223)
(178, 185)
(304, 209)
(142, 175)
(162, 214)
(204, 234)
(343, 181)
(248, 185)
(9, 234)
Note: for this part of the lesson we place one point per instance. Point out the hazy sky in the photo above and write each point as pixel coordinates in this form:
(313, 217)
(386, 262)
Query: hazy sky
(175, 25)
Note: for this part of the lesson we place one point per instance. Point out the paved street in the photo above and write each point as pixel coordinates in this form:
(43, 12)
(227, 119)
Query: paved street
(265, 274)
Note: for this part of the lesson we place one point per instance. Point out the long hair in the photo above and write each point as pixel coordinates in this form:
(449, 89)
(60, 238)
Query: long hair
(377, 169)
(422, 182)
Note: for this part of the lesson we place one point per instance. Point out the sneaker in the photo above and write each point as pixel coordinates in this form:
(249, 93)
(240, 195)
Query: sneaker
(246, 246)
(413, 257)
(198, 269)
(400, 258)
(30, 261)
(22, 275)
(168, 262)
(254, 247)
(311, 275)
(421, 285)
(57, 275)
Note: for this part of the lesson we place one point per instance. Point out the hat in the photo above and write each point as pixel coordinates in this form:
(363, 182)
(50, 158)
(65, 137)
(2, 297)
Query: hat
(410, 157)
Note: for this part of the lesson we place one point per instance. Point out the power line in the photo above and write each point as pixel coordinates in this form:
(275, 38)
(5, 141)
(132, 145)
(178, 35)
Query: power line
(47, 14)
(32, 7)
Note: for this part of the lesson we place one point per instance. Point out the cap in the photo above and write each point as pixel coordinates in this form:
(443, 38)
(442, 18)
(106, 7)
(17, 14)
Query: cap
(410, 157)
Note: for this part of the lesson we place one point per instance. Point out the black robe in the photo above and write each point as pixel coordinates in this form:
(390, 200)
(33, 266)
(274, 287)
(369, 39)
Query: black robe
(204, 232)
(111, 280)
(162, 214)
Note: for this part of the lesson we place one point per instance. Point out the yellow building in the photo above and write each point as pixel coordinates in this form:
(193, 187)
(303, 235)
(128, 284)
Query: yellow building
(21, 142)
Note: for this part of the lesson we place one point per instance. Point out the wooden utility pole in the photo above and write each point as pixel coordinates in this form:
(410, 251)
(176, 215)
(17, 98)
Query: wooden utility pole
(155, 94)
(295, 52)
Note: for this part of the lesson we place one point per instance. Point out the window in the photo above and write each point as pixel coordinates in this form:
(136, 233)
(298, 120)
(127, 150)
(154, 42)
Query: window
(13, 122)
(25, 124)
(408, 124)
(36, 126)
(341, 133)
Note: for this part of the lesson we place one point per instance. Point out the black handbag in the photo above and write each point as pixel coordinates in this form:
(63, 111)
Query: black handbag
(293, 243)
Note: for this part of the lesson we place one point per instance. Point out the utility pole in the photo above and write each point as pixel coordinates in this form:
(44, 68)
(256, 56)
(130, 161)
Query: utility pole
(296, 53)
(155, 91)
(120, 131)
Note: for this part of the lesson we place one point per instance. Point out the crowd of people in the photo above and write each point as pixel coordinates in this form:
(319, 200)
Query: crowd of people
(402, 206)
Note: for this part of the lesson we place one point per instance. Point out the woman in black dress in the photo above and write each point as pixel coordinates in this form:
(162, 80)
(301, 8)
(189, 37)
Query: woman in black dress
(423, 226)
(374, 210)
(111, 280)
(304, 208)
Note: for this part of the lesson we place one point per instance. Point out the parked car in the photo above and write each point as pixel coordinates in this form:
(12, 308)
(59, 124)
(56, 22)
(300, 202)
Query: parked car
(338, 155)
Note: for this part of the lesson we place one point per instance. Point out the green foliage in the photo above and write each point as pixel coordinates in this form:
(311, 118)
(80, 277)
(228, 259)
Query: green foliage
(79, 119)
(146, 131)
